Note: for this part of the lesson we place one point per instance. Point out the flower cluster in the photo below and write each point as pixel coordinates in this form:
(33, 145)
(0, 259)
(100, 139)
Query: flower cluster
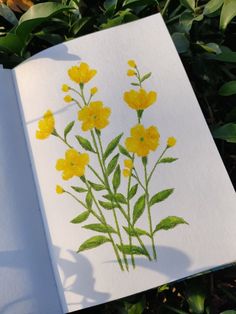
(46, 126)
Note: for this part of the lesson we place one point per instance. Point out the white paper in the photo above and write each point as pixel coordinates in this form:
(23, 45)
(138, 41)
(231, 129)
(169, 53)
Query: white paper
(203, 194)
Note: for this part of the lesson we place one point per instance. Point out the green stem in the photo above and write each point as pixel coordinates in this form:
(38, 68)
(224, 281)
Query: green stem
(165, 7)
(157, 162)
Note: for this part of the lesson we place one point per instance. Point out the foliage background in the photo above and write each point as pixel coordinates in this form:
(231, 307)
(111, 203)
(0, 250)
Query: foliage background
(204, 32)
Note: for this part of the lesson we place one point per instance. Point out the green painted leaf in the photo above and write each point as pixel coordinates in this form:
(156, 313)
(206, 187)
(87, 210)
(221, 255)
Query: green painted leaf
(85, 144)
(124, 151)
(68, 128)
(134, 231)
(92, 243)
(212, 6)
(228, 12)
(111, 146)
(134, 250)
(82, 217)
(160, 196)
(169, 223)
(97, 187)
(107, 205)
(100, 228)
(135, 84)
(226, 132)
(167, 160)
(228, 89)
(116, 178)
(132, 191)
(146, 76)
(78, 189)
(89, 199)
(139, 208)
(112, 164)
(189, 4)
(116, 197)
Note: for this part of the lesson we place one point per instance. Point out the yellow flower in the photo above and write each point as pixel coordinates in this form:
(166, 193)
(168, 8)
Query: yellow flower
(46, 126)
(140, 99)
(93, 90)
(126, 172)
(171, 142)
(94, 116)
(131, 73)
(142, 140)
(59, 189)
(81, 74)
(65, 88)
(73, 164)
(132, 63)
(128, 163)
(68, 98)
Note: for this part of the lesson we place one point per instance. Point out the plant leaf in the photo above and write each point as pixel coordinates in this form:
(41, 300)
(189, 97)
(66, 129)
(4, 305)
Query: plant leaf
(127, 249)
(97, 187)
(78, 189)
(100, 228)
(82, 217)
(169, 223)
(132, 191)
(89, 199)
(189, 4)
(228, 89)
(68, 128)
(167, 160)
(112, 164)
(226, 132)
(181, 42)
(92, 243)
(107, 205)
(116, 178)
(146, 76)
(160, 196)
(133, 231)
(139, 208)
(124, 151)
(111, 146)
(212, 6)
(8, 14)
(226, 56)
(85, 144)
(228, 12)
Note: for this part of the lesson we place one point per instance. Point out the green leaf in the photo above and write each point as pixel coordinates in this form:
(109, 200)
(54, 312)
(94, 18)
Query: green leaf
(144, 161)
(68, 128)
(92, 243)
(228, 89)
(116, 197)
(135, 84)
(228, 312)
(189, 4)
(112, 164)
(160, 196)
(124, 151)
(146, 76)
(97, 187)
(196, 295)
(82, 217)
(186, 20)
(111, 146)
(134, 231)
(85, 144)
(89, 199)
(132, 191)
(228, 12)
(181, 42)
(100, 228)
(134, 250)
(107, 205)
(78, 189)
(212, 6)
(11, 43)
(227, 56)
(226, 132)
(116, 178)
(169, 223)
(139, 208)
(167, 160)
(8, 14)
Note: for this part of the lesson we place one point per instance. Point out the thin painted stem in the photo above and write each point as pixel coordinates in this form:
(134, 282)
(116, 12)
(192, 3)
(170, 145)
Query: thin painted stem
(157, 162)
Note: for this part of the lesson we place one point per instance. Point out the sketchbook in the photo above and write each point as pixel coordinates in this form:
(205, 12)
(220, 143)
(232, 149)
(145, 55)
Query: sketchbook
(111, 183)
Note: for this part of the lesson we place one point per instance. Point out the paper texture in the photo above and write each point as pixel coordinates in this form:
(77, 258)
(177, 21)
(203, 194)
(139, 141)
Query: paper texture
(203, 195)
(27, 282)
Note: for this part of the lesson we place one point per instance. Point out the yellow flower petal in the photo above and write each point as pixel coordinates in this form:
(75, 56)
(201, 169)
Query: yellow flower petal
(131, 73)
(139, 100)
(45, 126)
(171, 141)
(68, 98)
(59, 189)
(93, 90)
(81, 74)
(132, 63)
(128, 163)
(126, 173)
(65, 88)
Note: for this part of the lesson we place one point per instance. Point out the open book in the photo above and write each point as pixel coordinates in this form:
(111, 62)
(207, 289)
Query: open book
(111, 183)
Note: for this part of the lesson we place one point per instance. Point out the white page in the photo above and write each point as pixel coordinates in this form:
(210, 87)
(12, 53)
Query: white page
(203, 194)
(27, 282)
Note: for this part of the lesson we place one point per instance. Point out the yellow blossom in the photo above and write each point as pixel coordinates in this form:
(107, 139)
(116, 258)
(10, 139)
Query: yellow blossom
(65, 88)
(141, 99)
(93, 90)
(68, 98)
(131, 73)
(128, 163)
(132, 63)
(94, 116)
(171, 141)
(46, 126)
(73, 164)
(59, 189)
(81, 74)
(142, 140)
(126, 172)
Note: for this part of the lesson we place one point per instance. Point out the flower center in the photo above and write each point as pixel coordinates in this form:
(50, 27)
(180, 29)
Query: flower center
(141, 139)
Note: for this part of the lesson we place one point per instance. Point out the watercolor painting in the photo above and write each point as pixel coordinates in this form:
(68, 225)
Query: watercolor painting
(125, 159)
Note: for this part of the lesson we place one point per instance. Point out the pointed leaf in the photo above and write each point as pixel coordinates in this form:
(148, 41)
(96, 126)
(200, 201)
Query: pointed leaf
(146, 76)
(228, 12)
(134, 231)
(116, 178)
(107, 205)
(78, 189)
(226, 132)
(169, 223)
(97, 187)
(82, 217)
(100, 228)
(135, 84)
(112, 164)
(189, 4)
(68, 128)
(92, 243)
(212, 6)
(132, 191)
(89, 199)
(139, 208)
(124, 151)
(127, 249)
(111, 146)
(85, 144)
(228, 89)
(167, 160)
(160, 196)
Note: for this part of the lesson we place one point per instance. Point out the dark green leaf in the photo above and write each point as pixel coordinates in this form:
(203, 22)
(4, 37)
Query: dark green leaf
(160, 196)
(127, 249)
(82, 217)
(228, 89)
(111, 146)
(124, 151)
(89, 199)
(112, 164)
(212, 6)
(146, 76)
(227, 56)
(134, 231)
(189, 4)
(8, 14)
(107, 205)
(181, 42)
(226, 132)
(132, 191)
(78, 189)
(228, 12)
(167, 160)
(97, 187)
(100, 228)
(68, 128)
(169, 223)
(92, 243)
(139, 208)
(196, 296)
(116, 178)
(85, 144)
(135, 84)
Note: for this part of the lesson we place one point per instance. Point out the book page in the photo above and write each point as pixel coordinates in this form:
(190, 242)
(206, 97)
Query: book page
(27, 282)
(132, 188)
